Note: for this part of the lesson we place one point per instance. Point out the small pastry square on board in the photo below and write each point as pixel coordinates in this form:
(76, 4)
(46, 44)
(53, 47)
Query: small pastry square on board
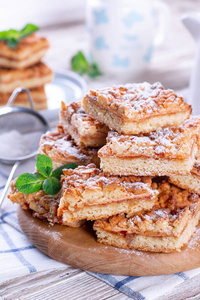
(86, 131)
(136, 108)
(62, 149)
(168, 151)
(166, 228)
(90, 194)
(42, 206)
(28, 52)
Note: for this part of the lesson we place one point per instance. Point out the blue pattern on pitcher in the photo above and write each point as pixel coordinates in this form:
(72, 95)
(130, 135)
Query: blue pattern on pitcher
(131, 18)
(131, 38)
(89, 28)
(100, 43)
(100, 16)
(120, 62)
(148, 54)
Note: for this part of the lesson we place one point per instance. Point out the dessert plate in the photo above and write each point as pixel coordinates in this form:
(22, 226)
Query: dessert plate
(66, 86)
(78, 247)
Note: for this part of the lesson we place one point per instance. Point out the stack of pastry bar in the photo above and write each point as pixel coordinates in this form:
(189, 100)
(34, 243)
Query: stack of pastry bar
(145, 195)
(21, 67)
(150, 135)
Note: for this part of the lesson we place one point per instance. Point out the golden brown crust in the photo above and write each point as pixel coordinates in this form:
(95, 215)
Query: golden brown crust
(42, 206)
(89, 186)
(196, 168)
(31, 77)
(39, 70)
(167, 143)
(86, 131)
(62, 149)
(25, 48)
(173, 209)
(137, 101)
(38, 96)
(140, 242)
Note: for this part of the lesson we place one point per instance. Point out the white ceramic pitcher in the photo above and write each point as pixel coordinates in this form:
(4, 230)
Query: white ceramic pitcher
(122, 34)
(192, 23)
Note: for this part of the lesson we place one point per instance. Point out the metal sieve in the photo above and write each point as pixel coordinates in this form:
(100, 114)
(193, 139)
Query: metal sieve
(28, 123)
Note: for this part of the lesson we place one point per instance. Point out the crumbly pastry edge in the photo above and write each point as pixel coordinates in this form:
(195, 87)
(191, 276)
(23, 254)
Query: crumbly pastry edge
(38, 95)
(15, 64)
(81, 140)
(94, 139)
(29, 83)
(146, 243)
(115, 122)
(190, 182)
(107, 210)
(139, 166)
(33, 204)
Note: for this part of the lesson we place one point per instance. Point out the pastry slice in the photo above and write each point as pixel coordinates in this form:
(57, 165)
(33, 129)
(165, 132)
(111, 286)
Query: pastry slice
(166, 228)
(166, 152)
(86, 131)
(89, 194)
(32, 77)
(62, 150)
(191, 181)
(38, 95)
(136, 108)
(29, 51)
(42, 206)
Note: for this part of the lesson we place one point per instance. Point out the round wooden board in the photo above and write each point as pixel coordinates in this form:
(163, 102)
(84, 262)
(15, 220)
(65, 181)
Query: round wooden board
(78, 247)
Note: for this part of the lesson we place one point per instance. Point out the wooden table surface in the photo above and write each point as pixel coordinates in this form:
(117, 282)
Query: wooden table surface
(171, 64)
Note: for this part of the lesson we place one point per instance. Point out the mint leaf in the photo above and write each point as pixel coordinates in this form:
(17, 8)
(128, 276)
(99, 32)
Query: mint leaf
(44, 165)
(45, 178)
(80, 64)
(12, 43)
(12, 37)
(28, 183)
(94, 71)
(27, 30)
(59, 171)
(51, 186)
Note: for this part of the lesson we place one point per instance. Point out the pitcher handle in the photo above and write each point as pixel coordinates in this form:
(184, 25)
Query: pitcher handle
(163, 11)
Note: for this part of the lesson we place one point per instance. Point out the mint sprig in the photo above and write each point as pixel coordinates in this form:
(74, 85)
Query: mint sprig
(80, 65)
(12, 37)
(44, 179)
(44, 165)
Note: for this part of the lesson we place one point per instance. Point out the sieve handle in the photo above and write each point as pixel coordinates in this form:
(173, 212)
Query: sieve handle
(18, 91)
(8, 182)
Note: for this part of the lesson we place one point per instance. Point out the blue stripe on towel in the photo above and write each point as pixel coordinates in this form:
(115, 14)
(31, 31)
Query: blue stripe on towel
(18, 249)
(8, 213)
(19, 256)
(120, 285)
(124, 281)
(182, 275)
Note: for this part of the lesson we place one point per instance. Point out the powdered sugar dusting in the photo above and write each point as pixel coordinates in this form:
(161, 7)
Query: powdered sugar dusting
(60, 145)
(89, 177)
(172, 142)
(194, 242)
(139, 100)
